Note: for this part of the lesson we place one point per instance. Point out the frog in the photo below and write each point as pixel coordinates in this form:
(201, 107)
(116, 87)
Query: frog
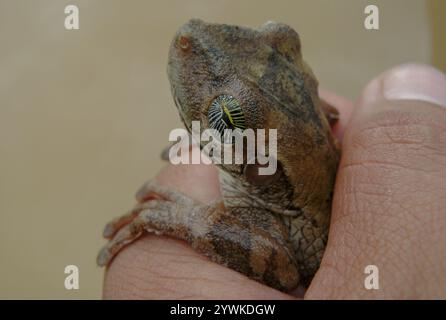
(271, 228)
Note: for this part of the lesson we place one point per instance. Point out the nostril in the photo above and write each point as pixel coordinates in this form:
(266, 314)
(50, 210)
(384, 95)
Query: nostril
(184, 43)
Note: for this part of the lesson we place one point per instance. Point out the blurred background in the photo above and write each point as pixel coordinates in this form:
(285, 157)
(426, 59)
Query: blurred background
(85, 113)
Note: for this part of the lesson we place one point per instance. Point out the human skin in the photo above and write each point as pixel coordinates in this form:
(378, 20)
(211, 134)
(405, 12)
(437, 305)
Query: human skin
(388, 208)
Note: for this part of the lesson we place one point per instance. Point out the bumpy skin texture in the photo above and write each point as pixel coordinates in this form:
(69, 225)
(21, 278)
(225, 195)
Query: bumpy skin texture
(275, 230)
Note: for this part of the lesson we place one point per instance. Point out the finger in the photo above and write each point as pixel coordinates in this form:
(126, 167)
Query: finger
(164, 268)
(200, 182)
(390, 195)
(344, 106)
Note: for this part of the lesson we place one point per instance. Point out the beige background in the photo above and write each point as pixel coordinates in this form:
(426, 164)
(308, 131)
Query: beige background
(84, 114)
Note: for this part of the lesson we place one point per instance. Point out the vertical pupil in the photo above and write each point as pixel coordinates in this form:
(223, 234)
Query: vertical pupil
(225, 113)
(227, 121)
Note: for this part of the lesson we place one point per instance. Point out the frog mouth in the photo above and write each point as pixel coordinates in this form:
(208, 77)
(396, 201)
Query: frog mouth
(183, 116)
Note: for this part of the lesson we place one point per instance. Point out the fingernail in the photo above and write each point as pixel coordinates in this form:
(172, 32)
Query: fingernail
(408, 82)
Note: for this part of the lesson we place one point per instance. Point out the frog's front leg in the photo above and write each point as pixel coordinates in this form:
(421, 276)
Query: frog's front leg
(150, 191)
(249, 242)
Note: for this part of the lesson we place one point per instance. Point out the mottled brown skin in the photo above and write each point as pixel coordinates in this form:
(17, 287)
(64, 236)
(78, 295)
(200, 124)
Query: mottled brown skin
(272, 230)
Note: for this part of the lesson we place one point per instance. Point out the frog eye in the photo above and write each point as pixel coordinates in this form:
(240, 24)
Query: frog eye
(225, 113)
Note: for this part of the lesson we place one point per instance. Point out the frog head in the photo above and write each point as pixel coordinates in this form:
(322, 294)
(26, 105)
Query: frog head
(229, 77)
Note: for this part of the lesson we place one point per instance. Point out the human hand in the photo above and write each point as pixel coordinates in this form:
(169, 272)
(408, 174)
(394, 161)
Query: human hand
(388, 207)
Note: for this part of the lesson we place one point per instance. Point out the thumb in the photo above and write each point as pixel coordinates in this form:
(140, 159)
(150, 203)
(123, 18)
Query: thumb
(390, 196)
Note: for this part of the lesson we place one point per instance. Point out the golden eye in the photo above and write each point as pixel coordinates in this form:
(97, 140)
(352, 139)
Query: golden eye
(225, 113)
